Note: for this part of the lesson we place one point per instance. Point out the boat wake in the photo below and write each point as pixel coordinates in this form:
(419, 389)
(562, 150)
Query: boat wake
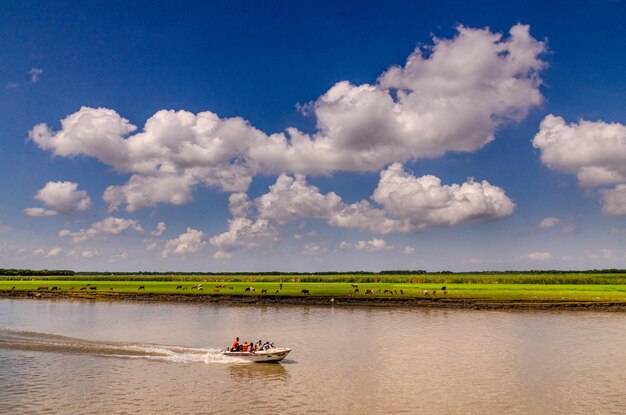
(44, 342)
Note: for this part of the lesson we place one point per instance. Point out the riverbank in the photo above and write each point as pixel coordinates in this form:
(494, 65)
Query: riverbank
(390, 302)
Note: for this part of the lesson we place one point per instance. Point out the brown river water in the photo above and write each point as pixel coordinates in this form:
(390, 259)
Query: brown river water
(76, 357)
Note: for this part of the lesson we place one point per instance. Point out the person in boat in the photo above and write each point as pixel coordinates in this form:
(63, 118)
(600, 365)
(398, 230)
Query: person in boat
(247, 346)
(235, 346)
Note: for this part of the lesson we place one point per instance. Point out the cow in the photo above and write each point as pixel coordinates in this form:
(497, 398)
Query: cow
(180, 287)
(250, 289)
(264, 291)
(401, 292)
(425, 292)
(92, 288)
(142, 287)
(354, 285)
(368, 292)
(304, 292)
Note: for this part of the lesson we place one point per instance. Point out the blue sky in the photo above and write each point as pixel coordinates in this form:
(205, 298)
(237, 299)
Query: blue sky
(213, 136)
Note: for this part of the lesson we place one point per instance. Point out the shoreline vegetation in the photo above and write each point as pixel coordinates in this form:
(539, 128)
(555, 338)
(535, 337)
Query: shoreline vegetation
(603, 290)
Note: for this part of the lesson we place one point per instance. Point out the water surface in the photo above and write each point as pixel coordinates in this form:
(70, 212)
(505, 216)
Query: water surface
(75, 357)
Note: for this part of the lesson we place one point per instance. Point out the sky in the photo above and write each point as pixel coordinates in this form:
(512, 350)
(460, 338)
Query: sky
(312, 136)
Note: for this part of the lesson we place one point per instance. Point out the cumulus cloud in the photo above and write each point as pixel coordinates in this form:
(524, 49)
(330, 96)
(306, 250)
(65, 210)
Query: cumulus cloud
(222, 255)
(62, 197)
(423, 202)
(408, 203)
(594, 151)
(373, 245)
(614, 200)
(107, 226)
(453, 98)
(549, 222)
(54, 252)
(187, 243)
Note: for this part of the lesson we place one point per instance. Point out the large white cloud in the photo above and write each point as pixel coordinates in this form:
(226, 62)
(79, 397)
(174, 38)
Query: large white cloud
(424, 202)
(453, 98)
(62, 197)
(186, 243)
(408, 204)
(108, 226)
(593, 150)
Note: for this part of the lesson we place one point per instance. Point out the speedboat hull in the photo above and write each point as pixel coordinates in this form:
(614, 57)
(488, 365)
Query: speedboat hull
(264, 356)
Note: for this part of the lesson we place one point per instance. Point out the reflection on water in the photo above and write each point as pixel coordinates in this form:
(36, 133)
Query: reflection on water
(266, 372)
(59, 357)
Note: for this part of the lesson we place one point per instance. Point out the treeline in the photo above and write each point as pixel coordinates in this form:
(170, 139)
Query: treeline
(34, 273)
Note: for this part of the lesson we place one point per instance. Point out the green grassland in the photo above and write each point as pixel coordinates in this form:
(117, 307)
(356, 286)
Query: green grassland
(478, 286)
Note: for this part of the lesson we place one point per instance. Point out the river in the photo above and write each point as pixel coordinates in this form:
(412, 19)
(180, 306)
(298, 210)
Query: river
(78, 357)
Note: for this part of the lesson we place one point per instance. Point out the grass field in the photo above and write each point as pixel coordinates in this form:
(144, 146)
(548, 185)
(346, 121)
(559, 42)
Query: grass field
(469, 289)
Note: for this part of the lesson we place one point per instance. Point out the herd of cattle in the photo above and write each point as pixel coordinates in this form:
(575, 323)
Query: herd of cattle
(218, 288)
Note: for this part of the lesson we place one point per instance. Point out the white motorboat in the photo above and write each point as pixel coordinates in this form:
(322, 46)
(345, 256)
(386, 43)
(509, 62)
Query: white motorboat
(275, 354)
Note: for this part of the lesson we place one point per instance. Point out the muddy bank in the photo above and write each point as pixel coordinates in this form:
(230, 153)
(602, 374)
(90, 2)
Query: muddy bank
(449, 303)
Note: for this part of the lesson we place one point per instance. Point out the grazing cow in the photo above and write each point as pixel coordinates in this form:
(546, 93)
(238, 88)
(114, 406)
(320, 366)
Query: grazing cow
(200, 288)
(354, 285)
(13, 289)
(92, 288)
(368, 292)
(231, 288)
(250, 289)
(425, 292)
(356, 290)
(180, 287)
(83, 288)
(434, 292)
(141, 287)
(263, 291)
(304, 292)
(88, 285)
(54, 288)
(281, 285)
(385, 292)
(443, 288)
(401, 292)
(276, 292)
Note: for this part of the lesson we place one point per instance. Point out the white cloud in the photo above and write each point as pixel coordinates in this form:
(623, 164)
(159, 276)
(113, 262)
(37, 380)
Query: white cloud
(244, 233)
(594, 151)
(160, 228)
(452, 99)
(40, 212)
(222, 255)
(35, 74)
(409, 204)
(107, 226)
(62, 197)
(297, 236)
(54, 252)
(423, 202)
(549, 222)
(373, 245)
(539, 256)
(314, 249)
(408, 250)
(614, 200)
(187, 243)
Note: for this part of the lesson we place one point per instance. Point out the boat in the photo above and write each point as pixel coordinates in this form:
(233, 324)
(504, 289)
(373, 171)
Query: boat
(274, 354)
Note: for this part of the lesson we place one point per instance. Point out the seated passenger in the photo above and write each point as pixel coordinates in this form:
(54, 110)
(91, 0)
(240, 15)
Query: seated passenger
(235, 346)
(245, 347)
